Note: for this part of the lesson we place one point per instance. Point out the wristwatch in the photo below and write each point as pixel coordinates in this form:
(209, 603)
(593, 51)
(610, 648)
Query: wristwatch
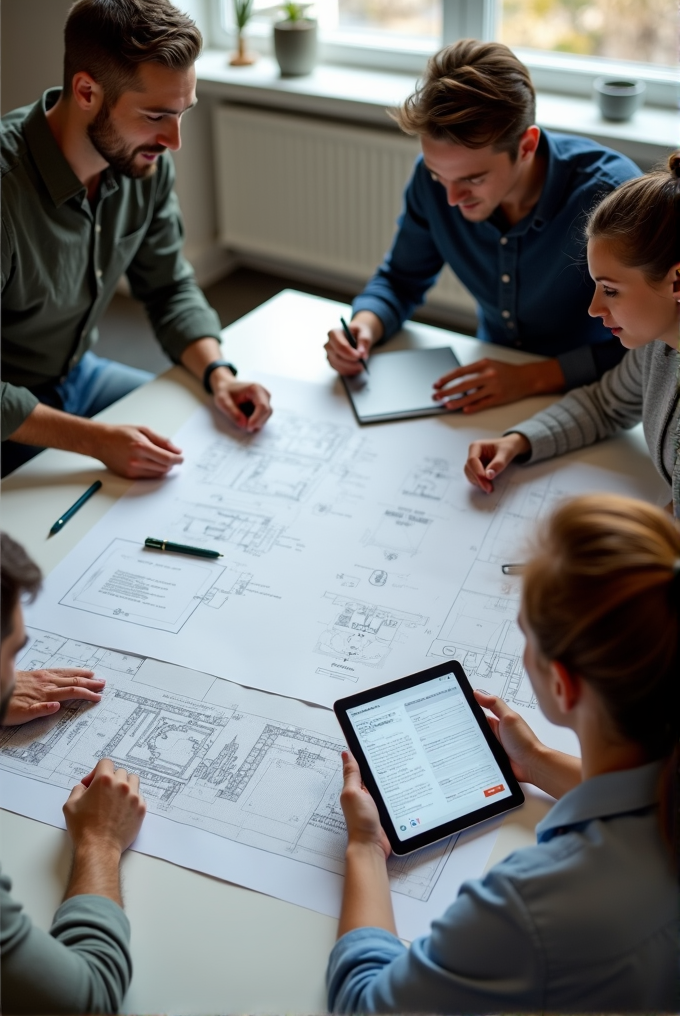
(213, 366)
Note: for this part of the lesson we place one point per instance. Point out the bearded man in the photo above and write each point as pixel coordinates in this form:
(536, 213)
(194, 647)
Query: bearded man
(87, 182)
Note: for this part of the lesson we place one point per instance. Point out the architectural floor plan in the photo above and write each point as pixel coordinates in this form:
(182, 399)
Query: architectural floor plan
(259, 771)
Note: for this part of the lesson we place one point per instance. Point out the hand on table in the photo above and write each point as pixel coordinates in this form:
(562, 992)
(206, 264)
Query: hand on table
(134, 452)
(361, 814)
(40, 692)
(486, 459)
(105, 811)
(494, 383)
(247, 404)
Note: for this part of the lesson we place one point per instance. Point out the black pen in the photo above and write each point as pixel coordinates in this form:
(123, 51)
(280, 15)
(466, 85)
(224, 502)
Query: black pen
(74, 507)
(512, 569)
(179, 548)
(352, 341)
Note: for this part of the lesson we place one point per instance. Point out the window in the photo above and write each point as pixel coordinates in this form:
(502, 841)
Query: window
(638, 30)
(565, 43)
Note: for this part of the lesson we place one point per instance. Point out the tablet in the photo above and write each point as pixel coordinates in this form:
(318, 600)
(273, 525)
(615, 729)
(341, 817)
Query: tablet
(398, 385)
(428, 756)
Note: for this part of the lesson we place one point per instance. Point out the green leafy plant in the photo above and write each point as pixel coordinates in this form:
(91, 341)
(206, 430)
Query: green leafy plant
(293, 11)
(243, 10)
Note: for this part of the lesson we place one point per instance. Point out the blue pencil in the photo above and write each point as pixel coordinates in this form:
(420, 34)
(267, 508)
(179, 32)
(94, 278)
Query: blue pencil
(74, 507)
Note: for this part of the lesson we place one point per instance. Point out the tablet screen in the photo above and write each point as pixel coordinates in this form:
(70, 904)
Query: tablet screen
(429, 756)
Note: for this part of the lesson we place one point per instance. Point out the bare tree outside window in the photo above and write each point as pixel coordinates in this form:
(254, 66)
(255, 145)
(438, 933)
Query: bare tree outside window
(640, 30)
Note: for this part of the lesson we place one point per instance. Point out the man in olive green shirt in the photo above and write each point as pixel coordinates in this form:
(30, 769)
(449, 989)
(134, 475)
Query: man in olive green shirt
(83, 965)
(88, 196)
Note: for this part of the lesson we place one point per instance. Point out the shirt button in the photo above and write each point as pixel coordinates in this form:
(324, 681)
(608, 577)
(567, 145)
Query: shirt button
(504, 240)
(505, 313)
(99, 273)
(97, 228)
(505, 278)
(511, 324)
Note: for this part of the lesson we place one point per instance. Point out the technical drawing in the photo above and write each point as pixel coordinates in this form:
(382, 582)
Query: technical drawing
(378, 577)
(143, 587)
(287, 461)
(253, 532)
(348, 581)
(399, 531)
(236, 772)
(482, 634)
(429, 481)
(361, 632)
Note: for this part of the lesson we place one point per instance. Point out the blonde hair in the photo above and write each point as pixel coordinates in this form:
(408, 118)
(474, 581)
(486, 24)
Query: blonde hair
(601, 595)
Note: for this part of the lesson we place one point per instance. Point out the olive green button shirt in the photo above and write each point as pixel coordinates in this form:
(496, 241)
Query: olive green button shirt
(63, 255)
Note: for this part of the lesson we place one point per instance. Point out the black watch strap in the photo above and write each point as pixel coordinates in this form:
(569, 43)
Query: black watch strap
(207, 373)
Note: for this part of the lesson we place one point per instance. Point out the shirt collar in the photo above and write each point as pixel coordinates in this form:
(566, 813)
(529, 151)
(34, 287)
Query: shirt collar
(61, 182)
(603, 796)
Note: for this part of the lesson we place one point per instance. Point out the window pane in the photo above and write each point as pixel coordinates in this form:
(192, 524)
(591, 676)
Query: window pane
(641, 30)
(421, 20)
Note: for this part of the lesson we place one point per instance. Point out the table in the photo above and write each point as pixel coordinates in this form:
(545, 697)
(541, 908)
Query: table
(201, 945)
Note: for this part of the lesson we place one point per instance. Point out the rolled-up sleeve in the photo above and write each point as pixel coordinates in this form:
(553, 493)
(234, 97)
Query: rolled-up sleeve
(483, 955)
(410, 267)
(162, 278)
(587, 414)
(82, 966)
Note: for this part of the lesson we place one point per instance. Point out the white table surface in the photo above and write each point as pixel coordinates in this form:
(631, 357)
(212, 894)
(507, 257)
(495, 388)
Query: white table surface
(200, 945)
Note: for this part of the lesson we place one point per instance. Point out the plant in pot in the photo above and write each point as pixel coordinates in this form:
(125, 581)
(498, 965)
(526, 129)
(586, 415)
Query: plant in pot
(295, 40)
(243, 10)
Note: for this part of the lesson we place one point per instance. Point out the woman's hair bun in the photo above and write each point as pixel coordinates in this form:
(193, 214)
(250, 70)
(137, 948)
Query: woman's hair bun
(674, 164)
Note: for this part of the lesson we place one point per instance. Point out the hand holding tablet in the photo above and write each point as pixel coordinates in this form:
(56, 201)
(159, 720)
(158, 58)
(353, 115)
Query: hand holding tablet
(428, 756)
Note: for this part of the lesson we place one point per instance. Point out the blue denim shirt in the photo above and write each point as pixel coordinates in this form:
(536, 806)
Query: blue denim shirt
(586, 920)
(530, 280)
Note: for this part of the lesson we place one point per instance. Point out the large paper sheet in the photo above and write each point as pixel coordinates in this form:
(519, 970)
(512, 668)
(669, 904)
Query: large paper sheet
(350, 556)
(240, 784)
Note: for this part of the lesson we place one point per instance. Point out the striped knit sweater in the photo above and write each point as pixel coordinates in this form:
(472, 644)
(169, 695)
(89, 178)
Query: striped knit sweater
(643, 387)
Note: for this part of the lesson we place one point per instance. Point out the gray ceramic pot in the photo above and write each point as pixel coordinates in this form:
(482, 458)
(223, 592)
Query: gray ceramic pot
(295, 46)
(618, 99)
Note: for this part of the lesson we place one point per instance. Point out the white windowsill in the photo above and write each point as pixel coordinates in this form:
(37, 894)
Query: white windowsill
(360, 95)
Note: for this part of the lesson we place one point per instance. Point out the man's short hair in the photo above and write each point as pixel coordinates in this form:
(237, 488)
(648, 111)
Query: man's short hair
(18, 575)
(473, 94)
(109, 39)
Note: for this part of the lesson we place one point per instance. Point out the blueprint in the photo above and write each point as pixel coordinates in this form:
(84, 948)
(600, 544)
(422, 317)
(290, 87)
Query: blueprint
(350, 556)
(245, 781)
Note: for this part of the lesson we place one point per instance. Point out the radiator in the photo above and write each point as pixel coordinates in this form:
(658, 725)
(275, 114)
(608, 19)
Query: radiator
(315, 195)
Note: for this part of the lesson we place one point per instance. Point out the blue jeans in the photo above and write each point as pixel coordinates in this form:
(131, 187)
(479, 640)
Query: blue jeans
(92, 385)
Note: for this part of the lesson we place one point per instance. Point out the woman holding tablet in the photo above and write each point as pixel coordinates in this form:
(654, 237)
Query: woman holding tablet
(587, 919)
(634, 258)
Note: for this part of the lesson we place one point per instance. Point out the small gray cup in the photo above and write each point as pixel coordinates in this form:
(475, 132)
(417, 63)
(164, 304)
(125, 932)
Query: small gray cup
(617, 98)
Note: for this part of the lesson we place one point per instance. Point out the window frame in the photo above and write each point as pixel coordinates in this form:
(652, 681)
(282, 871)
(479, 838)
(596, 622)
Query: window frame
(560, 73)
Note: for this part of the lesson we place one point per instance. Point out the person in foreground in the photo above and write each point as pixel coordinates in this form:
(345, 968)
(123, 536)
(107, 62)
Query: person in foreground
(634, 258)
(501, 202)
(87, 183)
(83, 965)
(586, 920)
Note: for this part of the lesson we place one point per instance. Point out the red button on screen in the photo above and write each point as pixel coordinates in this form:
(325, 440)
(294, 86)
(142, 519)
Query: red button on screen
(490, 791)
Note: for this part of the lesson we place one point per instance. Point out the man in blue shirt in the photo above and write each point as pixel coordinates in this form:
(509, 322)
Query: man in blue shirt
(504, 204)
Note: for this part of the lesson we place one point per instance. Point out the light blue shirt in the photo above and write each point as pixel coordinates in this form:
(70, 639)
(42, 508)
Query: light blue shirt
(586, 920)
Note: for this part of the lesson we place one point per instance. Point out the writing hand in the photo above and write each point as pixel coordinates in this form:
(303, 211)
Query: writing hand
(134, 452)
(247, 404)
(361, 814)
(40, 692)
(494, 383)
(486, 459)
(340, 354)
